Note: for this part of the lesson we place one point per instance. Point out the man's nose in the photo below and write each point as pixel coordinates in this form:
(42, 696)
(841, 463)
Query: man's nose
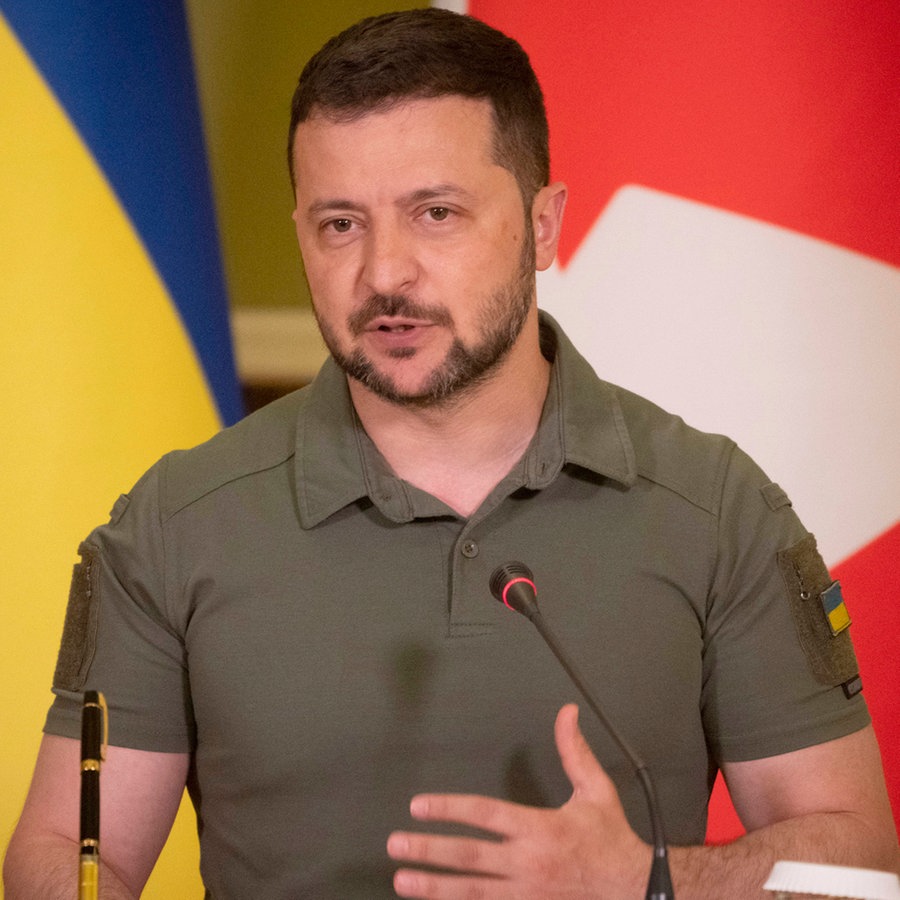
(390, 264)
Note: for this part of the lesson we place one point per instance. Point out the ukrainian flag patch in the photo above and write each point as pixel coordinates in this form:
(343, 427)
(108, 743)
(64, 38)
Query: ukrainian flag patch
(835, 610)
(819, 614)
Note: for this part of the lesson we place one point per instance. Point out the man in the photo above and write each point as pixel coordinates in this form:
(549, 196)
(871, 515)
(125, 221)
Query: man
(294, 619)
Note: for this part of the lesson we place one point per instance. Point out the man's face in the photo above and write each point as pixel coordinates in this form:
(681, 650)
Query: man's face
(419, 255)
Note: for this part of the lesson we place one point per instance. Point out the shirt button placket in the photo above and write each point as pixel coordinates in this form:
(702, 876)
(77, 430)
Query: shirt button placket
(470, 613)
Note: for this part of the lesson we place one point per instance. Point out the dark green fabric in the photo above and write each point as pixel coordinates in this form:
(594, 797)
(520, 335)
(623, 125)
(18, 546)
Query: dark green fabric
(321, 635)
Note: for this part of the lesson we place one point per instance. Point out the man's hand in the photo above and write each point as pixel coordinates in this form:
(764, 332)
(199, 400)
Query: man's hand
(824, 803)
(586, 848)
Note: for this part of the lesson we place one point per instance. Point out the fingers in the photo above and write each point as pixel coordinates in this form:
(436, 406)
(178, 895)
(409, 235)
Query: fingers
(468, 867)
(427, 886)
(579, 763)
(468, 855)
(537, 853)
(477, 862)
(498, 816)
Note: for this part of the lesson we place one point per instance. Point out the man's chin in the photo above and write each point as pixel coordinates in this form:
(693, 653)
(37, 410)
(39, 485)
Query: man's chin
(399, 393)
(386, 385)
(411, 384)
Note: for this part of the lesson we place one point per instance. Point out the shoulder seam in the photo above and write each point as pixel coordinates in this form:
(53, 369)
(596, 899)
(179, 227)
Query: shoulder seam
(261, 442)
(712, 502)
(172, 510)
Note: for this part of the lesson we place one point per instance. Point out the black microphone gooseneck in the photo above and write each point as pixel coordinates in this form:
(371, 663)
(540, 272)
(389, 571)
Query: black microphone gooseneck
(513, 585)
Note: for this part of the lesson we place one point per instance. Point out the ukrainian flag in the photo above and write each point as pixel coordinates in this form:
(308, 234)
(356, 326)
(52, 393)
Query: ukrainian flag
(114, 345)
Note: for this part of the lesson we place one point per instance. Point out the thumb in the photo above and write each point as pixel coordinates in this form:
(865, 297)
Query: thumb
(579, 763)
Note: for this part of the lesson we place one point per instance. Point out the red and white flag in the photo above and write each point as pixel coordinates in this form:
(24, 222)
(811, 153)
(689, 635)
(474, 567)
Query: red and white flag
(732, 252)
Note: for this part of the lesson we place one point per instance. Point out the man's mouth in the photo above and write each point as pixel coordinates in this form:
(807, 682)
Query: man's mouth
(393, 326)
(396, 315)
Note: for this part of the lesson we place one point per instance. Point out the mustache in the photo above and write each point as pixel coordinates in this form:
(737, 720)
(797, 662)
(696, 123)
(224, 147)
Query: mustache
(395, 305)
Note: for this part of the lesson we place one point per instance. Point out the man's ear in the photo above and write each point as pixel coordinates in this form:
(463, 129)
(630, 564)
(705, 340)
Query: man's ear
(546, 219)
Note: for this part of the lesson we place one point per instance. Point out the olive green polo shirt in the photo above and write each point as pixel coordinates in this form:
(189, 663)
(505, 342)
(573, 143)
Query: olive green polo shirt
(321, 635)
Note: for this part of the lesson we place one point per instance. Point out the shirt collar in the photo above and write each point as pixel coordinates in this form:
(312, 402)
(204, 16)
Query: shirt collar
(582, 423)
(329, 472)
(337, 463)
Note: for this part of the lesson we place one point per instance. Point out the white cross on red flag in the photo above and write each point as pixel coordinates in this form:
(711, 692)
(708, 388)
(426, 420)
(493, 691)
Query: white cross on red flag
(731, 251)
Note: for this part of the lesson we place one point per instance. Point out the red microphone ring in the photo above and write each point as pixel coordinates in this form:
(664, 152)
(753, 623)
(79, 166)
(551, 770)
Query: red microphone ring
(510, 583)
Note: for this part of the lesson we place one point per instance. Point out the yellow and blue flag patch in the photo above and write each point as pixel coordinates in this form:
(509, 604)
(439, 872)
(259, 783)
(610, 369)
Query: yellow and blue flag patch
(835, 610)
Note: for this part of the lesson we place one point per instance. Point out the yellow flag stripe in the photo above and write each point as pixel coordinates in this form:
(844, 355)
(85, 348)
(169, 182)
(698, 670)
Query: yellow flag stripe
(97, 374)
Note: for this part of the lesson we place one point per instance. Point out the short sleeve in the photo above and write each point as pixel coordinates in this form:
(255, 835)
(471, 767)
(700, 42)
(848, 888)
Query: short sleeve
(763, 690)
(119, 637)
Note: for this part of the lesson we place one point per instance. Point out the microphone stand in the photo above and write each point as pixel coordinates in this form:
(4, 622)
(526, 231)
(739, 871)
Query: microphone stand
(659, 887)
(513, 585)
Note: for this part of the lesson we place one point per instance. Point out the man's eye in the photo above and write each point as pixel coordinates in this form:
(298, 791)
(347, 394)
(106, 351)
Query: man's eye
(341, 226)
(439, 213)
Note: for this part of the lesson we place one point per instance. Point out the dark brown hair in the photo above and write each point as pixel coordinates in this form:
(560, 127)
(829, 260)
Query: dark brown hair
(423, 53)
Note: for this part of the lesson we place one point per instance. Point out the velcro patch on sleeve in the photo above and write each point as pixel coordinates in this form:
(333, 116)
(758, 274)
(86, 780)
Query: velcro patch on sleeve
(819, 614)
(76, 650)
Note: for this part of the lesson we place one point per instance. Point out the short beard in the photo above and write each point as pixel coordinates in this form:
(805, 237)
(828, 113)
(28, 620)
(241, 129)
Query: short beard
(463, 368)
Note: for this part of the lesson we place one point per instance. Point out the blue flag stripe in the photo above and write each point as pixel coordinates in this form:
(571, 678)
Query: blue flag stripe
(124, 73)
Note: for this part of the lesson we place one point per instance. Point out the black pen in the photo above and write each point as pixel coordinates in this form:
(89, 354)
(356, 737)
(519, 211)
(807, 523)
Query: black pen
(93, 752)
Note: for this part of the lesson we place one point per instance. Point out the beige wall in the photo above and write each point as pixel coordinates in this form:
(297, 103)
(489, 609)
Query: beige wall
(248, 57)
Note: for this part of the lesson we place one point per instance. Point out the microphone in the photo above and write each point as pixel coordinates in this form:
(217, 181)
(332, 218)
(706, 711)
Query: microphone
(513, 585)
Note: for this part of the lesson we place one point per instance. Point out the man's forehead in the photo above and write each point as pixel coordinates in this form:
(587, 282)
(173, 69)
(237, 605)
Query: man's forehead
(434, 140)
(474, 111)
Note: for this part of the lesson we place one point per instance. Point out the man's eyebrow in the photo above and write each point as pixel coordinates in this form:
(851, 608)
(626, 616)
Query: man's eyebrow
(436, 192)
(335, 204)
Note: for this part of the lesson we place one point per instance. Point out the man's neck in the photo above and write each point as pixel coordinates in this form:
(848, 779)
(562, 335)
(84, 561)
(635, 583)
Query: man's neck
(459, 451)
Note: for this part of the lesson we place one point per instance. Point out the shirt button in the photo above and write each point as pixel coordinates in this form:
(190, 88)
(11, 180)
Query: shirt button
(470, 549)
